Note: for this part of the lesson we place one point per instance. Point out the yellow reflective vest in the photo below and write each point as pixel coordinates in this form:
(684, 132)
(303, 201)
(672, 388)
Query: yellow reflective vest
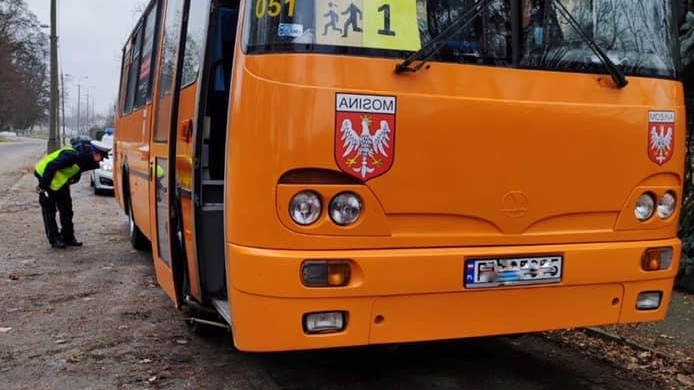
(62, 176)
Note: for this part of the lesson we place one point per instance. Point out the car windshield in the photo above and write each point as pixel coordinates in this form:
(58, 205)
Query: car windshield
(637, 35)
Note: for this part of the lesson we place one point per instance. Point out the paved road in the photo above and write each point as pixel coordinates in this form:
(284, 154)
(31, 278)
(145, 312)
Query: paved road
(93, 318)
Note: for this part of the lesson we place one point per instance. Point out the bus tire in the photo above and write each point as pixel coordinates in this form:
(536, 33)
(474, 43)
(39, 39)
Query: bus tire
(137, 239)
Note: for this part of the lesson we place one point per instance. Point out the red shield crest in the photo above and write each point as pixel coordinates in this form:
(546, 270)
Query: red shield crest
(365, 134)
(661, 136)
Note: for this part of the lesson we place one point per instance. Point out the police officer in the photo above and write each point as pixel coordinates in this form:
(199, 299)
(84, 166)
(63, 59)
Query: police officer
(56, 172)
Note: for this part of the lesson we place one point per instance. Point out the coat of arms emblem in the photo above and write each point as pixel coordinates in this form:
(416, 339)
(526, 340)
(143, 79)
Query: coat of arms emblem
(661, 136)
(365, 134)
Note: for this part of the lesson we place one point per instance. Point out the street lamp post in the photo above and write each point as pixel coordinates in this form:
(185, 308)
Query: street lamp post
(53, 128)
(90, 107)
(79, 100)
(62, 101)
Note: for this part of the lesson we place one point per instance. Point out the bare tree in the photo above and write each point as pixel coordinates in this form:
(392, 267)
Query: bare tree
(23, 76)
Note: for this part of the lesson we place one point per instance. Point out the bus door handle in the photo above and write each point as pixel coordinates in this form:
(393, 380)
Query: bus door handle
(187, 130)
(144, 153)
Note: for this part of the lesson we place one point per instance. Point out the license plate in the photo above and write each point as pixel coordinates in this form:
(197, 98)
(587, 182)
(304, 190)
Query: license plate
(502, 272)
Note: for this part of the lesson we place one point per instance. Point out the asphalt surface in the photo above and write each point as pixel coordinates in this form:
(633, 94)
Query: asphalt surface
(94, 318)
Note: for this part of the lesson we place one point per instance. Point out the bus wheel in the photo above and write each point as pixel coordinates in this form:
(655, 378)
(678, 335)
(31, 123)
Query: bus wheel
(137, 238)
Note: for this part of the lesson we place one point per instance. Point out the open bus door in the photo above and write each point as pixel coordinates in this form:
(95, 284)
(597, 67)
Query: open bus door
(163, 144)
(187, 127)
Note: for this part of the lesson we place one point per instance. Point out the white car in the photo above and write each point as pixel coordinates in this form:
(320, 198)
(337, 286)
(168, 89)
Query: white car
(102, 178)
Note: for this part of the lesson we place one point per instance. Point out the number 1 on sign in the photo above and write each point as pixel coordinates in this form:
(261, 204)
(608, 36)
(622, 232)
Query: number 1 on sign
(391, 24)
(385, 8)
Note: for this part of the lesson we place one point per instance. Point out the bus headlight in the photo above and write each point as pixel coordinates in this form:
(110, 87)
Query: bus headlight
(305, 208)
(345, 208)
(667, 205)
(645, 207)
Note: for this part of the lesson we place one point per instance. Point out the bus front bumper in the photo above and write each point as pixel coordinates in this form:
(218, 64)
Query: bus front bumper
(407, 295)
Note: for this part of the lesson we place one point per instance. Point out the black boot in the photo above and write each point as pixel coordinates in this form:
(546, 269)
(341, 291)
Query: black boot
(58, 244)
(73, 242)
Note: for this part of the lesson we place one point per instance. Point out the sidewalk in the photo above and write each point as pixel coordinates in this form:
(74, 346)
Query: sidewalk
(658, 353)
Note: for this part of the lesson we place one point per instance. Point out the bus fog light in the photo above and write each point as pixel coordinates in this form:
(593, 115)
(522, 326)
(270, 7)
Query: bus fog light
(325, 273)
(667, 205)
(305, 208)
(649, 300)
(645, 207)
(324, 322)
(345, 208)
(656, 259)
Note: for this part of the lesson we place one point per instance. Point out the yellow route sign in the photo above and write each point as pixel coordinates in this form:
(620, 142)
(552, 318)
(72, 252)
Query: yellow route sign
(378, 24)
(391, 24)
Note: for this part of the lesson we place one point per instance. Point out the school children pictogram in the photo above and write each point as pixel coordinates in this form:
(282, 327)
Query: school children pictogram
(334, 19)
(354, 12)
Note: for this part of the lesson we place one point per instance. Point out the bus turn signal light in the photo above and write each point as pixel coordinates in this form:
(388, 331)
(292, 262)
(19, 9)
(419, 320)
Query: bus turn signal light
(656, 259)
(326, 273)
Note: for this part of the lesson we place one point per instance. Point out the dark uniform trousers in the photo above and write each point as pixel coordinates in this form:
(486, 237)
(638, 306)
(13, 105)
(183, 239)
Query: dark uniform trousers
(61, 201)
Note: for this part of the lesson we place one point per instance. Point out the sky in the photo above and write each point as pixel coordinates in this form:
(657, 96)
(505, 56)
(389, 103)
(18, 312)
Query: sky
(91, 34)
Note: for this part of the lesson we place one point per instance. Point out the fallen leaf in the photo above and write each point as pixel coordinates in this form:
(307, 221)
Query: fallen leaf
(75, 359)
(145, 361)
(182, 342)
(13, 277)
(632, 366)
(88, 299)
(5, 330)
(60, 341)
(644, 355)
(667, 336)
(685, 380)
(152, 379)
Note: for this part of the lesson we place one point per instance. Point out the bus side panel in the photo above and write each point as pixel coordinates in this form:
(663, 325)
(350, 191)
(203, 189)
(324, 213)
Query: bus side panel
(133, 155)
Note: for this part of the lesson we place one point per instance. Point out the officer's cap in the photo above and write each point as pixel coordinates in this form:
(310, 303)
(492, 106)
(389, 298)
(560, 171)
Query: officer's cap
(101, 147)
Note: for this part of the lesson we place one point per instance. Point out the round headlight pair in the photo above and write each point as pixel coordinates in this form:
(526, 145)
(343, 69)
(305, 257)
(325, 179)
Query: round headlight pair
(646, 206)
(306, 207)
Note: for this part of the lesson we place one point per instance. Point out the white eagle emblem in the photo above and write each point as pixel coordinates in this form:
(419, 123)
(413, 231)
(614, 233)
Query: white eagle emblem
(661, 143)
(368, 147)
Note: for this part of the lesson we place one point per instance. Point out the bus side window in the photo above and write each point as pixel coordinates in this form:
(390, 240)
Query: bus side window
(144, 83)
(134, 71)
(195, 42)
(124, 80)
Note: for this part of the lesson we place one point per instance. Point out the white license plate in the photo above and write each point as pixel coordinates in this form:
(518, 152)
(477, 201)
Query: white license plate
(501, 272)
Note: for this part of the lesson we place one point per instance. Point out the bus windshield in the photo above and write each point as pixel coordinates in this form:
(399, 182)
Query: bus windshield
(638, 36)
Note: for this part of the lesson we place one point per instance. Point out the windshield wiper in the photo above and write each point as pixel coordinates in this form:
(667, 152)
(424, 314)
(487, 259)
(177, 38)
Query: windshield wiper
(617, 74)
(435, 44)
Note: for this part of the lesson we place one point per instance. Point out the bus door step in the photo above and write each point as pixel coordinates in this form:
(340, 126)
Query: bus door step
(223, 309)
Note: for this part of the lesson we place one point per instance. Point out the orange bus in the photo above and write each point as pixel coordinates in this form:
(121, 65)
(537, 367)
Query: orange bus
(318, 174)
